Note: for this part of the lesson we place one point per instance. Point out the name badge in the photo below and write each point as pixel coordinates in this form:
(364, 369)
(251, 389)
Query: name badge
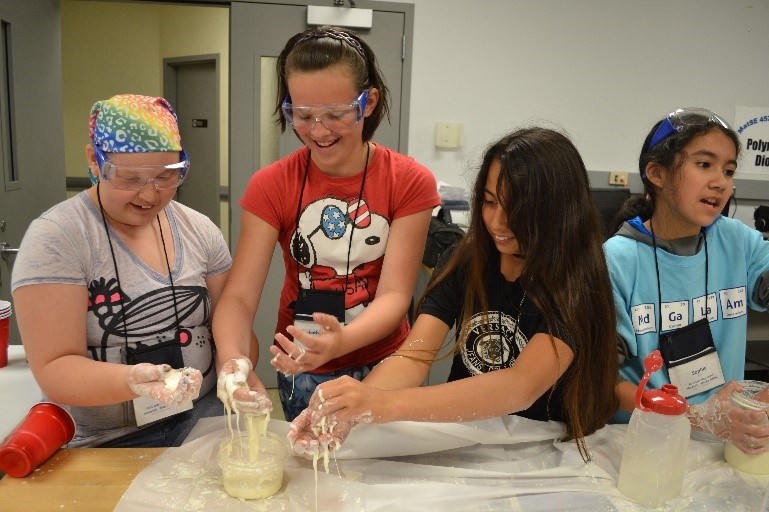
(308, 325)
(316, 301)
(147, 410)
(691, 358)
(697, 376)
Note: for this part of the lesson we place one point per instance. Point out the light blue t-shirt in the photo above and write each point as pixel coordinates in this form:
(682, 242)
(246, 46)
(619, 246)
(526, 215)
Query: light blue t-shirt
(737, 259)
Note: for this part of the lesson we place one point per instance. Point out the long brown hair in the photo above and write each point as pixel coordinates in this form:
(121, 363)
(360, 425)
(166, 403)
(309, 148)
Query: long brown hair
(544, 188)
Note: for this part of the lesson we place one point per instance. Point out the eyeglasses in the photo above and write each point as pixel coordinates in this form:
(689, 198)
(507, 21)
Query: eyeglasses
(136, 177)
(683, 117)
(334, 117)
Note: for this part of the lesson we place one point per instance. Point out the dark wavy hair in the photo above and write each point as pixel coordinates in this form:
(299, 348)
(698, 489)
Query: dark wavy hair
(667, 153)
(544, 188)
(322, 47)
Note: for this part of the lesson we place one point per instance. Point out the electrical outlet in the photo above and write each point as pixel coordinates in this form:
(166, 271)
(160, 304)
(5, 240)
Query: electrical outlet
(618, 178)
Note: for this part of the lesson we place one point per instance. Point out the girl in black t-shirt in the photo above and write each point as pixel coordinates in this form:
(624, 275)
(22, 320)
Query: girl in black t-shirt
(528, 290)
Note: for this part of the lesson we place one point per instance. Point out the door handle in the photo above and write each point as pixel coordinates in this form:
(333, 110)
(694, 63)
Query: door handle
(6, 250)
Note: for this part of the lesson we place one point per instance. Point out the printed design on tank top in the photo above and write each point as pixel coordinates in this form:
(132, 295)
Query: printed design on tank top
(321, 246)
(490, 346)
(151, 314)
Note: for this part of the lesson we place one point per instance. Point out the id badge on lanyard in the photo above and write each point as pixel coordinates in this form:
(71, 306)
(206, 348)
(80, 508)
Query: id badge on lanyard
(689, 352)
(317, 301)
(321, 301)
(147, 410)
(691, 358)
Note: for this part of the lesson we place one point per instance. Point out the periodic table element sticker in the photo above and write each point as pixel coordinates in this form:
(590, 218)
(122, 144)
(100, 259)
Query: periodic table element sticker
(752, 125)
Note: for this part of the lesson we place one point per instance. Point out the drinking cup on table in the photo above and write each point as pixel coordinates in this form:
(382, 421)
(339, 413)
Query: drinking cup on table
(5, 331)
(46, 428)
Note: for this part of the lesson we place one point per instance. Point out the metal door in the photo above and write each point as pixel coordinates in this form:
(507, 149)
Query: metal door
(31, 125)
(192, 86)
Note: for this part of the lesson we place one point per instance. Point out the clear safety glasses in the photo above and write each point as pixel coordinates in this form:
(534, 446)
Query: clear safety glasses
(683, 117)
(136, 177)
(334, 117)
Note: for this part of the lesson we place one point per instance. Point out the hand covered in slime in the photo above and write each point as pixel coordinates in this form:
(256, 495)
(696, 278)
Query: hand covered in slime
(746, 429)
(309, 438)
(164, 384)
(235, 391)
(762, 396)
(335, 408)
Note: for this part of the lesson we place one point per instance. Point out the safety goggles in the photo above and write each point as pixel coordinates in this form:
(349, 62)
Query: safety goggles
(136, 177)
(334, 117)
(682, 118)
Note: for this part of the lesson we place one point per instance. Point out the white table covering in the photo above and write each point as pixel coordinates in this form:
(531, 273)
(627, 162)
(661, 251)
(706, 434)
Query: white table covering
(500, 464)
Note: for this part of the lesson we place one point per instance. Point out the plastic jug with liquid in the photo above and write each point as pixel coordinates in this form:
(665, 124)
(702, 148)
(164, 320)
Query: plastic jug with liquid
(657, 442)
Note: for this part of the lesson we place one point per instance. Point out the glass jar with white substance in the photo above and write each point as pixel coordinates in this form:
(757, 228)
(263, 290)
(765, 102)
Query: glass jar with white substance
(252, 471)
(755, 464)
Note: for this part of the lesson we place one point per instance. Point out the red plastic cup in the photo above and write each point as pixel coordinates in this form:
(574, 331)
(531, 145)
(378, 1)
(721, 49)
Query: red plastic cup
(5, 331)
(5, 334)
(46, 428)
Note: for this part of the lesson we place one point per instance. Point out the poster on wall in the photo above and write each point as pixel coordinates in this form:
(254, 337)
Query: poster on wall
(752, 125)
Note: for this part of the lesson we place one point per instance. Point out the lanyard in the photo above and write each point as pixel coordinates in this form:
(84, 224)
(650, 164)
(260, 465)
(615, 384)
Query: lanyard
(296, 242)
(502, 361)
(117, 275)
(657, 268)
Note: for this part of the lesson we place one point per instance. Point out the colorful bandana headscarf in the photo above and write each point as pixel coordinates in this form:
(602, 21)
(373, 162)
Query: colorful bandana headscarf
(131, 123)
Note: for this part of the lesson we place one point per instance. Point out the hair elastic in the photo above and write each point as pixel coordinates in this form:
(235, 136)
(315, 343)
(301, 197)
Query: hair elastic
(337, 35)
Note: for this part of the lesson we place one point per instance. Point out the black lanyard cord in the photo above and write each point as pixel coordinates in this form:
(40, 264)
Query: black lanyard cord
(502, 360)
(114, 265)
(657, 268)
(296, 241)
(117, 274)
(170, 277)
(298, 230)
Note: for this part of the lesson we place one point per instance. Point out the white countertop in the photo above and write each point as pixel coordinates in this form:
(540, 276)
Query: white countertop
(506, 463)
(18, 390)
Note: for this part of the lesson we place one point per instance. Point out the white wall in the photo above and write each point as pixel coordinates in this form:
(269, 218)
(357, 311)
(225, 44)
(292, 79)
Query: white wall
(603, 70)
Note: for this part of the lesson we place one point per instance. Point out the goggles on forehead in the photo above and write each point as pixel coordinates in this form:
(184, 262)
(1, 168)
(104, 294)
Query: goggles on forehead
(333, 117)
(683, 117)
(136, 177)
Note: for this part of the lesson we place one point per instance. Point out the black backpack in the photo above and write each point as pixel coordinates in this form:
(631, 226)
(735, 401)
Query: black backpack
(441, 235)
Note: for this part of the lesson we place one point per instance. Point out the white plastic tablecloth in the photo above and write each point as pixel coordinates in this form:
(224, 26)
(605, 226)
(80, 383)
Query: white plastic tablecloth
(18, 390)
(508, 463)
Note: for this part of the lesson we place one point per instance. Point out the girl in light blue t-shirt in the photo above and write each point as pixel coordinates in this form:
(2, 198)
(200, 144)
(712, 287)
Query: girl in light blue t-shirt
(683, 275)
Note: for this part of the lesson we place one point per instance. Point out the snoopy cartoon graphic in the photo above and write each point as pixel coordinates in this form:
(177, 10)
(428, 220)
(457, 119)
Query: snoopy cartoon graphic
(321, 246)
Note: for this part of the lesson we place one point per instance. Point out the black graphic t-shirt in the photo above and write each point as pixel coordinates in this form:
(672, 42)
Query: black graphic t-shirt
(496, 344)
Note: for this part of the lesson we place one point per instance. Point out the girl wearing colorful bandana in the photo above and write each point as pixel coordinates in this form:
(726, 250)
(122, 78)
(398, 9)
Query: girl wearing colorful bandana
(115, 287)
